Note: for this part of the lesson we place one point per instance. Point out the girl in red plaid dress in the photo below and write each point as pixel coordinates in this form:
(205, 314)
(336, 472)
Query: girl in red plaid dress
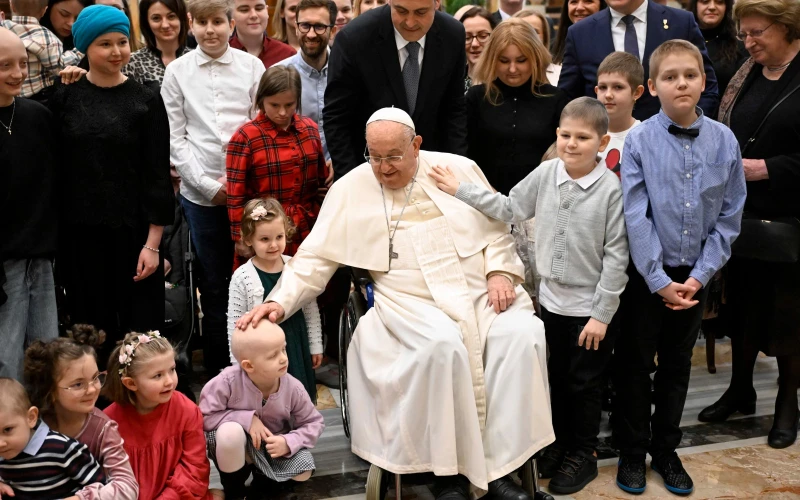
(279, 155)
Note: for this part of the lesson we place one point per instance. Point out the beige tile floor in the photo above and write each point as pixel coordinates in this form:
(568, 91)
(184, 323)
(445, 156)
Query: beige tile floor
(750, 472)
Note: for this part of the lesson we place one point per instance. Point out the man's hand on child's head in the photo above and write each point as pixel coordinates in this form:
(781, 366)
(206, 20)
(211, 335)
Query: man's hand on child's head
(445, 180)
(258, 432)
(593, 333)
(678, 296)
(277, 447)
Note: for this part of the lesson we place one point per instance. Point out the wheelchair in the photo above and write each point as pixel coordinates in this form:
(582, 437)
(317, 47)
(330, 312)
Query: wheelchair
(379, 480)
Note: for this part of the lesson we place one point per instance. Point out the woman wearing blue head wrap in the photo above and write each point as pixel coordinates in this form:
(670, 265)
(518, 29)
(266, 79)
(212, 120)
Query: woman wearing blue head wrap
(115, 168)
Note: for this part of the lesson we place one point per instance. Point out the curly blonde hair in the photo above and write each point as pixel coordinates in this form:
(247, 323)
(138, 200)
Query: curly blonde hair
(274, 211)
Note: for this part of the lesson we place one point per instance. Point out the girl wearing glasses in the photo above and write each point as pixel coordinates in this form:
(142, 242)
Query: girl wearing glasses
(279, 155)
(64, 383)
(478, 25)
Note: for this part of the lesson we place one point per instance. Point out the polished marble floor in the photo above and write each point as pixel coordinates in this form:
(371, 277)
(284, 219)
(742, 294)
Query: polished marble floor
(726, 461)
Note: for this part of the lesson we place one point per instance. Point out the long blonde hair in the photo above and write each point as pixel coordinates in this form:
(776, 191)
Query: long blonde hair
(512, 32)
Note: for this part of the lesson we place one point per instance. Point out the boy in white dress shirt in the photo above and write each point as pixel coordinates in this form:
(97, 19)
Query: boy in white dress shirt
(209, 94)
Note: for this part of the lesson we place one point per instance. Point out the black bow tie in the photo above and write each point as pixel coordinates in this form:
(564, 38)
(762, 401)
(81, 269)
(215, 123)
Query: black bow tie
(691, 132)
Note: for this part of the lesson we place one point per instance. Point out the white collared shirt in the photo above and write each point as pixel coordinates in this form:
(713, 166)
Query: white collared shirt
(566, 300)
(639, 24)
(402, 53)
(207, 100)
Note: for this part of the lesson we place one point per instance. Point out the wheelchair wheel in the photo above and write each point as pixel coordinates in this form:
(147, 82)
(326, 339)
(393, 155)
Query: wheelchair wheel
(355, 308)
(529, 478)
(377, 483)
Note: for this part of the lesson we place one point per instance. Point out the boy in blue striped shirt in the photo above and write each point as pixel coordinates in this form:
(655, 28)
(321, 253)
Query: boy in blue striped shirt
(35, 462)
(683, 192)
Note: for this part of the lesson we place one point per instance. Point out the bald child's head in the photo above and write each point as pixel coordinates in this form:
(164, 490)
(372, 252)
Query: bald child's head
(261, 351)
(13, 66)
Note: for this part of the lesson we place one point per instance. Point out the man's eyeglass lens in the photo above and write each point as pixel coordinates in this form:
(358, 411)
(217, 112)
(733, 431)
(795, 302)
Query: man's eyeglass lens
(319, 29)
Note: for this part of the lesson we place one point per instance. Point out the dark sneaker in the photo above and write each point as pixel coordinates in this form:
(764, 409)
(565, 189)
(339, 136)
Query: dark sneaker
(631, 474)
(575, 473)
(550, 461)
(676, 479)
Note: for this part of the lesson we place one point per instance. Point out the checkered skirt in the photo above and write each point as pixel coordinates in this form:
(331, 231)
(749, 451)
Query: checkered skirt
(277, 469)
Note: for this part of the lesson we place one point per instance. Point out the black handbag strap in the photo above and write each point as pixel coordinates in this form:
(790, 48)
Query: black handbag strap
(760, 125)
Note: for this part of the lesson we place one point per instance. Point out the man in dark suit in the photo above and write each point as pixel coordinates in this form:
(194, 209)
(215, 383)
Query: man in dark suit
(637, 27)
(408, 55)
(507, 9)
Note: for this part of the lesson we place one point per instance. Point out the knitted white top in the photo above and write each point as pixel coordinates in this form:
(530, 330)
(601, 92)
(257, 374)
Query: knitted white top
(246, 292)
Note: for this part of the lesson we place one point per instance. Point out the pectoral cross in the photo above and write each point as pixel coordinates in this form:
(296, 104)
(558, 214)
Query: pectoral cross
(392, 253)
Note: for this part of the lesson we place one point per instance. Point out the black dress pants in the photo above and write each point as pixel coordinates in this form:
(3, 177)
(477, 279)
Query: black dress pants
(649, 328)
(576, 381)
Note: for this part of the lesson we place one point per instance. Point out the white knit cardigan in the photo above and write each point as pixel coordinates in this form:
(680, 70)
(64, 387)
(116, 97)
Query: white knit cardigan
(246, 292)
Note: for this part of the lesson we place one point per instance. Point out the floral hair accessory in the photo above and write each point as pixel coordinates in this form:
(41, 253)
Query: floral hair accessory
(260, 212)
(128, 351)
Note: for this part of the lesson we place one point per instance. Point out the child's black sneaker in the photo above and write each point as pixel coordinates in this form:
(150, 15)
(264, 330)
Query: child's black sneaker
(632, 474)
(577, 470)
(548, 464)
(676, 479)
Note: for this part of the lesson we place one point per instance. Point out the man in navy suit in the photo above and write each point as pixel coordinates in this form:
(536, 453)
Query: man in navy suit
(638, 27)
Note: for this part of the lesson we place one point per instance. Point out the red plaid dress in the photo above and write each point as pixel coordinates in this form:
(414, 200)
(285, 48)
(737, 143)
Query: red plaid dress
(288, 165)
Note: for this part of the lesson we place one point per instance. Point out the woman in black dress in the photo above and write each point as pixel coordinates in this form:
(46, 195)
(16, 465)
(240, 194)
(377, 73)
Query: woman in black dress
(115, 168)
(761, 107)
(512, 119)
(715, 19)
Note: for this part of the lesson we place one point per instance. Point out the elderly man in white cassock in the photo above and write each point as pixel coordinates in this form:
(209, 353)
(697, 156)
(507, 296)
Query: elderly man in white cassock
(446, 373)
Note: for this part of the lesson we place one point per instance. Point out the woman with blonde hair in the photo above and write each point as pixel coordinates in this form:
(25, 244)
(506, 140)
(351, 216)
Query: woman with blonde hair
(513, 115)
(535, 17)
(284, 23)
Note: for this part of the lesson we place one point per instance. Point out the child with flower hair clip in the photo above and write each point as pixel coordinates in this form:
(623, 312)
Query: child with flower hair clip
(266, 230)
(162, 428)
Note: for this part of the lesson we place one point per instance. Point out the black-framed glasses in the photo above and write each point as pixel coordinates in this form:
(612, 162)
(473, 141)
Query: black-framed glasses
(319, 29)
(482, 37)
(742, 35)
(82, 388)
(376, 161)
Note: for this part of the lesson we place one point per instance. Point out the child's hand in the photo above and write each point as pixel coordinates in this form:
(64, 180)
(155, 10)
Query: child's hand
(593, 333)
(6, 490)
(71, 74)
(258, 432)
(277, 447)
(445, 180)
(675, 295)
(691, 282)
(316, 361)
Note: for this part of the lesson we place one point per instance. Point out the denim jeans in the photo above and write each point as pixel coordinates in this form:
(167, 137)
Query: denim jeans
(29, 313)
(211, 237)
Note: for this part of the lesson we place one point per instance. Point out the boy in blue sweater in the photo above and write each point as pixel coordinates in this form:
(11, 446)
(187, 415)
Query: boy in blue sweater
(684, 189)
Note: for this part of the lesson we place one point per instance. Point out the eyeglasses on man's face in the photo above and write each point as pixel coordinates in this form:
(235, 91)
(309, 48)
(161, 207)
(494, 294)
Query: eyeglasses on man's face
(376, 161)
(319, 29)
(81, 388)
(482, 37)
(742, 35)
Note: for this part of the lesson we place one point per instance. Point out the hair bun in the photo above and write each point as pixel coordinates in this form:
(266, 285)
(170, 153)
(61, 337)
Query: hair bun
(86, 334)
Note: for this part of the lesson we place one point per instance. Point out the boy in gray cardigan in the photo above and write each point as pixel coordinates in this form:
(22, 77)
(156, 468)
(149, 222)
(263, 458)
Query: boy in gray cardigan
(581, 255)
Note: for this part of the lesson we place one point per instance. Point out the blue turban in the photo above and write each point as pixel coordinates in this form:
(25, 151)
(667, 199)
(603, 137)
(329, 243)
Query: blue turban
(97, 20)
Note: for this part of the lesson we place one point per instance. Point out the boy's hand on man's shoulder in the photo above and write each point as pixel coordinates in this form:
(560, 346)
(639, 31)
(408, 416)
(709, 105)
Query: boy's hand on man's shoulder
(445, 179)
